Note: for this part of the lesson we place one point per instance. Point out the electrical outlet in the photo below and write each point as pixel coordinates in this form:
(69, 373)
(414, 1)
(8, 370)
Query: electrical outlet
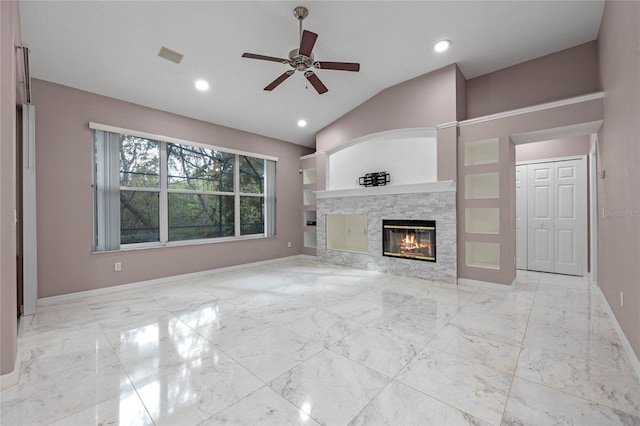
(118, 266)
(622, 298)
(289, 244)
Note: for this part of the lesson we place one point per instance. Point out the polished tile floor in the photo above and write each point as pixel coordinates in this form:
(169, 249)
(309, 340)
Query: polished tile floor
(301, 342)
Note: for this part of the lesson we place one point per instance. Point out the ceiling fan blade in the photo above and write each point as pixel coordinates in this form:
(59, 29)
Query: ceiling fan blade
(307, 42)
(264, 58)
(315, 82)
(275, 83)
(339, 66)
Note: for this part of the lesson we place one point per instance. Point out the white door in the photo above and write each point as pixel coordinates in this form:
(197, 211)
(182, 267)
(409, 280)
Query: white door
(521, 217)
(570, 217)
(557, 205)
(540, 217)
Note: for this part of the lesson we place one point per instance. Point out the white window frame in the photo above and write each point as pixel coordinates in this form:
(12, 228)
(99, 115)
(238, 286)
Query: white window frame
(268, 194)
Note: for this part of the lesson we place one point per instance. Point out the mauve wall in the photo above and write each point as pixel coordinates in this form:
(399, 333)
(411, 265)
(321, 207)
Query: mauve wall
(10, 37)
(556, 148)
(565, 74)
(619, 156)
(503, 128)
(425, 101)
(64, 194)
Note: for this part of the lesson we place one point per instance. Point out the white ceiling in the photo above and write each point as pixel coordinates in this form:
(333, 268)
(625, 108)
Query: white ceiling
(110, 48)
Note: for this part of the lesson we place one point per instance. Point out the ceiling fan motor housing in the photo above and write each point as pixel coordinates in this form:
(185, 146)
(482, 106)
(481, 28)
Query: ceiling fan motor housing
(300, 62)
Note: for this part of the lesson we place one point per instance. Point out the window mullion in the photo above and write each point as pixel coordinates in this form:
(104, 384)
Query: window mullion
(236, 198)
(164, 198)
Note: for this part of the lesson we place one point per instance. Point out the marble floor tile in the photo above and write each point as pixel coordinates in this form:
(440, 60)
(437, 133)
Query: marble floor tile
(357, 310)
(322, 328)
(584, 378)
(298, 341)
(590, 323)
(499, 353)
(272, 353)
(39, 364)
(233, 330)
(152, 360)
(197, 392)
(492, 324)
(405, 324)
(577, 343)
(262, 407)
(429, 310)
(460, 382)
(449, 295)
(534, 404)
(329, 388)
(125, 409)
(384, 352)
(399, 404)
(63, 394)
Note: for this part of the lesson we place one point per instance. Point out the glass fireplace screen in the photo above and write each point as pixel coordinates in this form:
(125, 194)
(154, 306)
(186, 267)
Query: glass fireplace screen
(410, 239)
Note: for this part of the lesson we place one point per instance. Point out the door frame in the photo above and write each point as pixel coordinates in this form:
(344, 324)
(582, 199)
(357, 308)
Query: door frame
(593, 210)
(589, 218)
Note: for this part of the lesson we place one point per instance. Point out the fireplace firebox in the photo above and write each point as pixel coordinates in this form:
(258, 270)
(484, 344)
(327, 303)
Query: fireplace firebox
(410, 239)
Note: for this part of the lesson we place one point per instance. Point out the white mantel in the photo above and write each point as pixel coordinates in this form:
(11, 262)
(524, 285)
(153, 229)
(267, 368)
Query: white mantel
(414, 188)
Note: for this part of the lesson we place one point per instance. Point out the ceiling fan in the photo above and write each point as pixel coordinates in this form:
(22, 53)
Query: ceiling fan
(301, 59)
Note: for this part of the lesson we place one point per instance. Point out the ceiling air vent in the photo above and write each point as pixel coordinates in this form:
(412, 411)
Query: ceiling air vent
(170, 55)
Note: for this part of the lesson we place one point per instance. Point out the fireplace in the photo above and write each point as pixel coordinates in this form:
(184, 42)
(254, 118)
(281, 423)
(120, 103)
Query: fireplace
(410, 239)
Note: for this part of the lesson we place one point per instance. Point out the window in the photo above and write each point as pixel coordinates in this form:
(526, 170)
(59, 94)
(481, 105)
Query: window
(152, 192)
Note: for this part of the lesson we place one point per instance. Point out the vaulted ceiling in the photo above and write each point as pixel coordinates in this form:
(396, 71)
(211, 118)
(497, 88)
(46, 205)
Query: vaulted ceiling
(110, 48)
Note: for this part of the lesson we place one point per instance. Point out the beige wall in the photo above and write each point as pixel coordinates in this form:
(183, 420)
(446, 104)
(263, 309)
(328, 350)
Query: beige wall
(10, 37)
(64, 194)
(556, 148)
(619, 156)
(565, 74)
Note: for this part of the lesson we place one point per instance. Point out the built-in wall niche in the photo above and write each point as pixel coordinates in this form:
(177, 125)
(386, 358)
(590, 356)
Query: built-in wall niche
(482, 255)
(482, 185)
(482, 220)
(309, 197)
(310, 217)
(308, 176)
(481, 152)
(410, 156)
(347, 232)
(310, 239)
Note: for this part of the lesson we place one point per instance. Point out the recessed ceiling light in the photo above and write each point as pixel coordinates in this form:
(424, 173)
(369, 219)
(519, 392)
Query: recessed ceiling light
(302, 123)
(202, 85)
(441, 46)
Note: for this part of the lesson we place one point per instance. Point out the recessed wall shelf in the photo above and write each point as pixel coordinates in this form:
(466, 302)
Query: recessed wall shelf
(482, 220)
(482, 255)
(481, 152)
(308, 176)
(483, 185)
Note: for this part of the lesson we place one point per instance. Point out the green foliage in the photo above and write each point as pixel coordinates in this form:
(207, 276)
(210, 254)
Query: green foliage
(193, 174)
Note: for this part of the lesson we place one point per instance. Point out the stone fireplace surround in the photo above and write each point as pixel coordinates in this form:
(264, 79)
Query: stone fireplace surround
(427, 201)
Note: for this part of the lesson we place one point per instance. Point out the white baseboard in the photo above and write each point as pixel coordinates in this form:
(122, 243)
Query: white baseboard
(12, 378)
(484, 284)
(65, 298)
(631, 356)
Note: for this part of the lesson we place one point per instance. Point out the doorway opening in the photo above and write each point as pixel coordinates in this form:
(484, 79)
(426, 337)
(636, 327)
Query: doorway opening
(553, 199)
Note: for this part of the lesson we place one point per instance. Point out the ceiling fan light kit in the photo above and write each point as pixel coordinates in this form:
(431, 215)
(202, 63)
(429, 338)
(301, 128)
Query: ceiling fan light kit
(301, 59)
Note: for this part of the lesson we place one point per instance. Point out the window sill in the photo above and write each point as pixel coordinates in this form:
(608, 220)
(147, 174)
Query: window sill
(171, 244)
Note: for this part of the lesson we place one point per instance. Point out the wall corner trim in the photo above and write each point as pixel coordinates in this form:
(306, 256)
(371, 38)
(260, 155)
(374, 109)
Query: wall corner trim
(631, 356)
(313, 155)
(534, 108)
(447, 125)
